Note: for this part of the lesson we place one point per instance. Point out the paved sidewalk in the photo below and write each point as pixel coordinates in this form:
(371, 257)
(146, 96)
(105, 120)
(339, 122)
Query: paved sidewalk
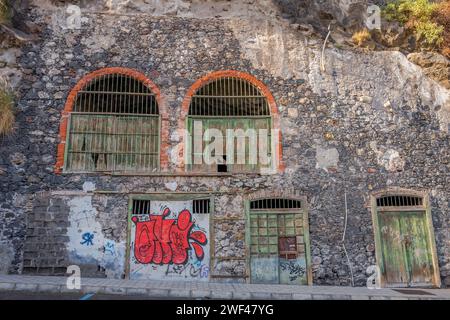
(205, 290)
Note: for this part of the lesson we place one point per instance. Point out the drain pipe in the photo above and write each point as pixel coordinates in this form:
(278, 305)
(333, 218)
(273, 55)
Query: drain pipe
(343, 239)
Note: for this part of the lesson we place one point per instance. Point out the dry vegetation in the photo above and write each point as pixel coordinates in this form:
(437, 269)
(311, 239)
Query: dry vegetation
(442, 17)
(6, 109)
(361, 37)
(4, 12)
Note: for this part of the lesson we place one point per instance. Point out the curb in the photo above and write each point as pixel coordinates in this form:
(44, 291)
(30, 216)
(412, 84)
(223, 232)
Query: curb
(200, 294)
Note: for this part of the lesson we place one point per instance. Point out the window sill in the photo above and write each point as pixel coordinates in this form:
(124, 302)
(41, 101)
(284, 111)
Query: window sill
(169, 174)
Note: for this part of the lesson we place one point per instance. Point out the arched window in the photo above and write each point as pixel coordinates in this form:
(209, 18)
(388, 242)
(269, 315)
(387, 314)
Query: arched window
(237, 108)
(114, 126)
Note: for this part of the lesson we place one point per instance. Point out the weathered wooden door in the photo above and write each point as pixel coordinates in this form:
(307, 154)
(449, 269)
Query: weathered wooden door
(264, 248)
(279, 245)
(406, 249)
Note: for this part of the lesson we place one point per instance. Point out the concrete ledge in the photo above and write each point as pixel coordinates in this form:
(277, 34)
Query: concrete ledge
(64, 289)
(179, 293)
(201, 294)
(322, 296)
(186, 290)
(242, 295)
(137, 292)
(281, 296)
(115, 290)
(54, 288)
(360, 297)
(26, 287)
(301, 296)
(7, 286)
(222, 295)
(379, 298)
(157, 293)
(261, 295)
(341, 297)
(92, 289)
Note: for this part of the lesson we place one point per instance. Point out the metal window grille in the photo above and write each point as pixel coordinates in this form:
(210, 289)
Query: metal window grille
(229, 97)
(141, 207)
(267, 229)
(271, 225)
(399, 201)
(275, 204)
(201, 206)
(114, 126)
(230, 103)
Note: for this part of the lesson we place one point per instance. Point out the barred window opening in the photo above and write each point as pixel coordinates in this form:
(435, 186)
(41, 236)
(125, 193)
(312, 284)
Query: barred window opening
(230, 103)
(118, 94)
(199, 206)
(141, 207)
(228, 97)
(275, 203)
(399, 201)
(114, 126)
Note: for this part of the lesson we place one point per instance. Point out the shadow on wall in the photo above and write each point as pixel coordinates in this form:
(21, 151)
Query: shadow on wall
(349, 14)
(7, 256)
(18, 10)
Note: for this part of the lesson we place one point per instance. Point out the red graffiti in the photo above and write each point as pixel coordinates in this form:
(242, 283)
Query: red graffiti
(166, 241)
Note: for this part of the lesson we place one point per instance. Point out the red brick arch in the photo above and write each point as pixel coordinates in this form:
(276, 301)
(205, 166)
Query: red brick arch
(105, 71)
(237, 74)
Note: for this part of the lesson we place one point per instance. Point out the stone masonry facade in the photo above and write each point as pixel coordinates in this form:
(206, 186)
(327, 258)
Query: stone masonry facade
(339, 137)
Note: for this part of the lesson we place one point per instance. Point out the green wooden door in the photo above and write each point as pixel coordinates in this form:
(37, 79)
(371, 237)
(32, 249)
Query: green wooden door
(277, 248)
(405, 248)
(394, 259)
(418, 249)
(264, 248)
(292, 260)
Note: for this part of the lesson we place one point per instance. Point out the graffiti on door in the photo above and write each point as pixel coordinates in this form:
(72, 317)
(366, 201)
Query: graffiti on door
(171, 241)
(293, 270)
(164, 241)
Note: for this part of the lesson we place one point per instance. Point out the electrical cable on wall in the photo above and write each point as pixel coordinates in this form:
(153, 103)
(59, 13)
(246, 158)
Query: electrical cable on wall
(322, 58)
(343, 239)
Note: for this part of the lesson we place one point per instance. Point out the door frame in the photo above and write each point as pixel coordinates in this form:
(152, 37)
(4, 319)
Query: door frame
(168, 196)
(306, 237)
(375, 211)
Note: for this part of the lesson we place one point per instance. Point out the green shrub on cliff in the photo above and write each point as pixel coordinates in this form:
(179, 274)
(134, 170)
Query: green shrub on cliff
(418, 16)
(4, 12)
(7, 117)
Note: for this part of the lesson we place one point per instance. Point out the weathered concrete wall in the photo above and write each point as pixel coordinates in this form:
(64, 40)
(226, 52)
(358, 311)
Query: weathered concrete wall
(368, 122)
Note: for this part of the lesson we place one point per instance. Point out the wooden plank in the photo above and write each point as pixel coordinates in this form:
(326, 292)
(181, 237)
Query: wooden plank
(418, 250)
(395, 267)
(432, 242)
(113, 143)
(222, 124)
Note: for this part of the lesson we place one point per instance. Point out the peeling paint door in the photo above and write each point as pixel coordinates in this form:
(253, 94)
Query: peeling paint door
(292, 262)
(264, 248)
(418, 250)
(406, 251)
(278, 247)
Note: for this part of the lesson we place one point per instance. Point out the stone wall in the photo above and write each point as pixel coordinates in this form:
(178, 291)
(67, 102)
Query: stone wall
(369, 121)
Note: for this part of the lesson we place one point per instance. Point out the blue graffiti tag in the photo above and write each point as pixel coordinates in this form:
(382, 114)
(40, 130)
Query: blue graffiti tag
(88, 238)
(109, 248)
